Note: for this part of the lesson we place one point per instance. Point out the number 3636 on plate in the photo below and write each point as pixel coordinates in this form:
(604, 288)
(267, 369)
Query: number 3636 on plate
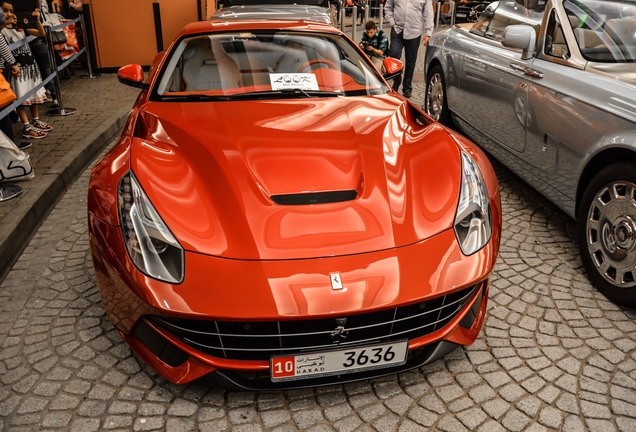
(338, 361)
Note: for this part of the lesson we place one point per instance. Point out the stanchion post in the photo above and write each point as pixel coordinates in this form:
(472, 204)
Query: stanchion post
(88, 51)
(354, 19)
(343, 15)
(60, 110)
(452, 11)
(438, 11)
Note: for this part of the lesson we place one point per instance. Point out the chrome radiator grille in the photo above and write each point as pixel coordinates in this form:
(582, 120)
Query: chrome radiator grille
(249, 340)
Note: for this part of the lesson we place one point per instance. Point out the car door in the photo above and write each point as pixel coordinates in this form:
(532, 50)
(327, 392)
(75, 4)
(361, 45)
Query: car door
(571, 110)
(493, 89)
(552, 118)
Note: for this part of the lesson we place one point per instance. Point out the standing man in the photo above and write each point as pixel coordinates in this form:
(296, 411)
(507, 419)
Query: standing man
(407, 18)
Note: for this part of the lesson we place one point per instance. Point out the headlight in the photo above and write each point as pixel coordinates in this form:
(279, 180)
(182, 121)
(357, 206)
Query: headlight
(150, 244)
(473, 220)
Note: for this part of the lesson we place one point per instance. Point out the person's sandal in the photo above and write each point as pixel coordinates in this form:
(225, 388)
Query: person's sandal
(39, 124)
(33, 133)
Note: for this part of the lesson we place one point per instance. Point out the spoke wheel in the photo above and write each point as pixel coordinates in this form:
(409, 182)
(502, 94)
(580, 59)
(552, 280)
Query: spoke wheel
(435, 103)
(607, 232)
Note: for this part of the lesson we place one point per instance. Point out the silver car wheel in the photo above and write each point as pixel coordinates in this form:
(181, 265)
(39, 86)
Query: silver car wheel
(611, 233)
(435, 96)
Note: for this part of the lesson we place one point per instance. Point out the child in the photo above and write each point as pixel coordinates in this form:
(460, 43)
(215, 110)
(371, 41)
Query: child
(29, 74)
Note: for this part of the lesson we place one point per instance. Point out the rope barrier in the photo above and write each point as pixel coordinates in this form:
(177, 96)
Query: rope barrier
(65, 24)
(11, 191)
(6, 110)
(30, 38)
(68, 61)
(24, 41)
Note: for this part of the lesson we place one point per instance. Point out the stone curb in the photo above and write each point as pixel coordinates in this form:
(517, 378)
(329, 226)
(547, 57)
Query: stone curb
(19, 225)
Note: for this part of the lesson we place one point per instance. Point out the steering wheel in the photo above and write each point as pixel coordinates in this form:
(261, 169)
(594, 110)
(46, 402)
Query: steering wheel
(310, 63)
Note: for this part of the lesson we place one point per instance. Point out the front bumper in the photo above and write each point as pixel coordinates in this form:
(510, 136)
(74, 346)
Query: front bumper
(218, 290)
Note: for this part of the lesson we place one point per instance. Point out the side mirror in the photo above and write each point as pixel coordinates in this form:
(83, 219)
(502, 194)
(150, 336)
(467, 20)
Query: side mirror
(521, 37)
(132, 75)
(391, 68)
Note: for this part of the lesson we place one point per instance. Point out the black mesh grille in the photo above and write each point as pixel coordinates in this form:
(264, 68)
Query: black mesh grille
(315, 197)
(251, 340)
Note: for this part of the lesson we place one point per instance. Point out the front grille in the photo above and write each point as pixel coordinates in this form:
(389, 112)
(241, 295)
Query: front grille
(259, 340)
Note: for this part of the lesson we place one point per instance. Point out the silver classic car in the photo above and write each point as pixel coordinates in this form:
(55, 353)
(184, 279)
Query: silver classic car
(549, 89)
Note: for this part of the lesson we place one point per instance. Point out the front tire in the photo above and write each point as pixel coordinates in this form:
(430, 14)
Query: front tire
(435, 103)
(606, 232)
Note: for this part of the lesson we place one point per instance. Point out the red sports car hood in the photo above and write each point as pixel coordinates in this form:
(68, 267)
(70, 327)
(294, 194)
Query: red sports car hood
(296, 179)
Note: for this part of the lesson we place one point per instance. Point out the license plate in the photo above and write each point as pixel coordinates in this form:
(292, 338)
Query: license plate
(338, 361)
(460, 15)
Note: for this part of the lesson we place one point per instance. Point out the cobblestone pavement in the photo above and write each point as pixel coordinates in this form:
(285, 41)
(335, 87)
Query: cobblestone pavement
(554, 354)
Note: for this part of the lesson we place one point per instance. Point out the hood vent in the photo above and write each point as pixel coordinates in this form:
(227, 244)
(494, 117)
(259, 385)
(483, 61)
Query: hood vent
(315, 197)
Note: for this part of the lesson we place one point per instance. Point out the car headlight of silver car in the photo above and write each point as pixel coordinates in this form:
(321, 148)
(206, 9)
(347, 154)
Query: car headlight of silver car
(151, 246)
(473, 220)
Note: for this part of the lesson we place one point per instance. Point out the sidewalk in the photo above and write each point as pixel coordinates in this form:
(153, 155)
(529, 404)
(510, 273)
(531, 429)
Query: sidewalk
(102, 106)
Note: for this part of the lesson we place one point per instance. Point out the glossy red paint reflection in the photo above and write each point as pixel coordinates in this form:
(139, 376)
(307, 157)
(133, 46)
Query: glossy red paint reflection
(213, 184)
(132, 72)
(213, 170)
(391, 65)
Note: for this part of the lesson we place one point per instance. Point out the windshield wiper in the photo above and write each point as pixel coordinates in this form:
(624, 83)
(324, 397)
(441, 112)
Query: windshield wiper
(193, 98)
(286, 93)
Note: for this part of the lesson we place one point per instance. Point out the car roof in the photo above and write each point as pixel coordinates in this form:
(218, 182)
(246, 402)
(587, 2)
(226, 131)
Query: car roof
(255, 24)
(226, 3)
(273, 11)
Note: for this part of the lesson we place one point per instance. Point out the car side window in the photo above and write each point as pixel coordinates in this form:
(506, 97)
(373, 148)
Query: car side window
(607, 35)
(481, 25)
(555, 43)
(499, 15)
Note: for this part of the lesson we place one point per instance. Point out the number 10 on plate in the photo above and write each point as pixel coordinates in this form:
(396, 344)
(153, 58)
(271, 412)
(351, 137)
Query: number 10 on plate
(338, 361)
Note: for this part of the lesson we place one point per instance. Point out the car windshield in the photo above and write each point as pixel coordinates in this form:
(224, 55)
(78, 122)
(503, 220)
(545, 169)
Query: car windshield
(604, 30)
(266, 64)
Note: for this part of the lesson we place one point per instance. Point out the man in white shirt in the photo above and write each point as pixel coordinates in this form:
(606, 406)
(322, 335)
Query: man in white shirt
(407, 17)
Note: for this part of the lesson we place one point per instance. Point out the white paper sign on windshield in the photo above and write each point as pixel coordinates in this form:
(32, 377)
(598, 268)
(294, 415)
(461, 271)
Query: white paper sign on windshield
(300, 81)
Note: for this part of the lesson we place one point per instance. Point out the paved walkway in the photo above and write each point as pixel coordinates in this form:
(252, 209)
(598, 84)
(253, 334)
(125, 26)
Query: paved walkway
(102, 105)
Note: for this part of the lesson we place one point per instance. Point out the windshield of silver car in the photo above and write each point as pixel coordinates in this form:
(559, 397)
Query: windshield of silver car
(605, 31)
(266, 64)
(500, 14)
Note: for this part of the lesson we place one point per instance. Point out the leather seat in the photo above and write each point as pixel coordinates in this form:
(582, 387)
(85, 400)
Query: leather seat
(200, 69)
